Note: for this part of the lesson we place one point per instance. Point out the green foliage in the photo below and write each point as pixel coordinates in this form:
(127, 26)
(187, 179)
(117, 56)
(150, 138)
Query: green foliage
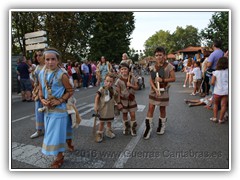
(77, 35)
(218, 28)
(111, 35)
(179, 39)
(160, 38)
(186, 37)
(22, 23)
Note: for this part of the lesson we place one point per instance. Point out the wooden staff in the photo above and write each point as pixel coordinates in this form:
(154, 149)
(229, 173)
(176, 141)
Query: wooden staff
(129, 79)
(158, 84)
(95, 123)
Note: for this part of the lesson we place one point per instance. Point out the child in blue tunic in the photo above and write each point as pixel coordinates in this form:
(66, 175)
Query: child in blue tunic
(38, 115)
(54, 91)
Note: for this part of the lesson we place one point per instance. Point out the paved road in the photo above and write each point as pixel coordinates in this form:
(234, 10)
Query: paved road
(191, 141)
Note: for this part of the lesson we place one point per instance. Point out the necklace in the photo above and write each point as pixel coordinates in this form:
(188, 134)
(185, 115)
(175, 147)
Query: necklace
(49, 84)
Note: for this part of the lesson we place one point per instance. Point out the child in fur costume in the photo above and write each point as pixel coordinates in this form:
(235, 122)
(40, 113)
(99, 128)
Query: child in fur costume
(162, 73)
(126, 86)
(105, 100)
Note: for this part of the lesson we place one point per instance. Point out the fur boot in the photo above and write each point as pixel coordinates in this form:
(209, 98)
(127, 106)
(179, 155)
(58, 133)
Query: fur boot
(99, 136)
(126, 127)
(161, 125)
(109, 133)
(148, 128)
(133, 125)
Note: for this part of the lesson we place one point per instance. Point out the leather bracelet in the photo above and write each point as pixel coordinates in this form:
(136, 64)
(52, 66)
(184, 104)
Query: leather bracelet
(59, 101)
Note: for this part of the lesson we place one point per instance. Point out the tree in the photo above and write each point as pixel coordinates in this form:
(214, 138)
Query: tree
(69, 33)
(186, 37)
(179, 39)
(77, 35)
(22, 23)
(111, 35)
(218, 28)
(160, 38)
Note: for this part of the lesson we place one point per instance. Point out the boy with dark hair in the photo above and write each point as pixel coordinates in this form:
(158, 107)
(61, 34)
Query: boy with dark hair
(161, 74)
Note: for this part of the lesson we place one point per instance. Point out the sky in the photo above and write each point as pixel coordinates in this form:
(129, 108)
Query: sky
(148, 23)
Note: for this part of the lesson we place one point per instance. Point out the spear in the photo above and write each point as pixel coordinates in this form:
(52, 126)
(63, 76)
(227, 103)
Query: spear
(95, 123)
(158, 84)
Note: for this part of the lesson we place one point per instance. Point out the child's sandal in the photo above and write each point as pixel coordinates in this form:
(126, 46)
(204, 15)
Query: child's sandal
(221, 121)
(213, 119)
(70, 146)
(57, 163)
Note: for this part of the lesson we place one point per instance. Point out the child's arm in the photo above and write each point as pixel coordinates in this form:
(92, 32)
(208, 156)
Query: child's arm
(119, 104)
(152, 84)
(134, 86)
(41, 98)
(213, 80)
(172, 77)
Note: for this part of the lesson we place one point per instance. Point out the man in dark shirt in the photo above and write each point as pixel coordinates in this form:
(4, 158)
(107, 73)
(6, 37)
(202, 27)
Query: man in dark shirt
(25, 82)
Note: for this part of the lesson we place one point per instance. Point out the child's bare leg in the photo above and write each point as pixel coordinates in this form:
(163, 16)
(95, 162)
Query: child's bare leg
(150, 112)
(187, 77)
(109, 124)
(224, 102)
(198, 86)
(162, 111)
(195, 88)
(194, 101)
(133, 116)
(215, 106)
(99, 135)
(190, 80)
(191, 100)
(125, 116)
(101, 126)
(197, 104)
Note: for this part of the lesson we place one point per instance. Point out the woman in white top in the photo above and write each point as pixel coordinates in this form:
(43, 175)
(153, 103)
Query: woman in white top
(220, 94)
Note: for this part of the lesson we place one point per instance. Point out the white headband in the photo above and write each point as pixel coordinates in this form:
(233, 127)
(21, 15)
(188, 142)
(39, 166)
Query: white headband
(50, 51)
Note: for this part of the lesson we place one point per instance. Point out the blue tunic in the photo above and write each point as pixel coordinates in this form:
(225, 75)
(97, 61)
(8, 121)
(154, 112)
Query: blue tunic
(38, 115)
(56, 121)
(103, 71)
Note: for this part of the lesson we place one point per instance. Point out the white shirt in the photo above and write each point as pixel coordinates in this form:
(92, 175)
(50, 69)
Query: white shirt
(73, 70)
(197, 73)
(185, 62)
(221, 83)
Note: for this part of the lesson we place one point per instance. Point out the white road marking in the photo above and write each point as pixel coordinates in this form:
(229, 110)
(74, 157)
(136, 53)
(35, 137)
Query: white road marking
(32, 115)
(117, 123)
(140, 108)
(32, 155)
(123, 158)
(24, 117)
(88, 122)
